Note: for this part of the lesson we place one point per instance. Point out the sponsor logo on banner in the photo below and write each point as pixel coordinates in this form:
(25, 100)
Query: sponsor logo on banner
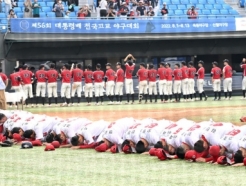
(240, 24)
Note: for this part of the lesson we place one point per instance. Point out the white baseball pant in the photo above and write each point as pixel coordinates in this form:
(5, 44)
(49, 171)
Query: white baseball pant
(227, 84)
(129, 86)
(110, 88)
(28, 90)
(169, 87)
(184, 84)
(152, 88)
(52, 89)
(89, 90)
(119, 88)
(98, 89)
(76, 87)
(143, 87)
(191, 86)
(200, 85)
(177, 87)
(40, 89)
(216, 85)
(163, 87)
(65, 90)
(16, 88)
(244, 83)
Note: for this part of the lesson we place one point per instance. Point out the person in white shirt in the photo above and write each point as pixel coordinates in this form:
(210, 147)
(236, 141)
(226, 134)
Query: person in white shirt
(8, 6)
(103, 9)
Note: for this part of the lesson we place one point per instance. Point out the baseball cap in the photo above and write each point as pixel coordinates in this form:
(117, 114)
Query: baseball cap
(161, 154)
(127, 149)
(56, 144)
(36, 143)
(108, 64)
(214, 151)
(26, 145)
(118, 63)
(101, 148)
(222, 160)
(191, 155)
(244, 161)
(215, 63)
(114, 149)
(49, 147)
(17, 137)
(152, 151)
(200, 62)
(225, 60)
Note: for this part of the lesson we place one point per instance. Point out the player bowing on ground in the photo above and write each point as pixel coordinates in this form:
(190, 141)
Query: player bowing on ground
(243, 66)
(88, 75)
(130, 66)
(77, 75)
(215, 76)
(52, 76)
(152, 74)
(98, 76)
(191, 81)
(200, 80)
(162, 82)
(41, 85)
(87, 136)
(177, 73)
(143, 84)
(66, 85)
(119, 83)
(227, 75)
(109, 83)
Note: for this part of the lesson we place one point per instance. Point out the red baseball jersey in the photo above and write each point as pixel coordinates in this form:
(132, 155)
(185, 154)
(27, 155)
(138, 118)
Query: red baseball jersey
(216, 71)
(129, 71)
(26, 76)
(98, 76)
(243, 66)
(177, 73)
(88, 75)
(169, 74)
(192, 73)
(15, 79)
(120, 75)
(41, 76)
(3, 76)
(142, 74)
(110, 74)
(77, 75)
(185, 72)
(52, 75)
(201, 73)
(152, 73)
(162, 73)
(66, 76)
(227, 70)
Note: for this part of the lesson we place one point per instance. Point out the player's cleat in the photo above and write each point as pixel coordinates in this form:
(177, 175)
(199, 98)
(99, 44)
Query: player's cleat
(117, 103)
(132, 103)
(206, 98)
(64, 105)
(36, 105)
(127, 103)
(110, 103)
(97, 104)
(88, 104)
(10, 106)
(215, 99)
(32, 105)
(72, 104)
(243, 98)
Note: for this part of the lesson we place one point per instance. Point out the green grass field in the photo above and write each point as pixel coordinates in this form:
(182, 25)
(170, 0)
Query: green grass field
(67, 167)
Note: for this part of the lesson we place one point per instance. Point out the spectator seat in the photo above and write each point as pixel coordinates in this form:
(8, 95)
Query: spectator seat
(226, 6)
(184, 2)
(50, 14)
(19, 15)
(202, 1)
(42, 14)
(200, 6)
(206, 12)
(209, 7)
(217, 6)
(46, 9)
(172, 7)
(224, 12)
(233, 12)
(212, 2)
(182, 7)
(17, 9)
(42, 4)
(179, 12)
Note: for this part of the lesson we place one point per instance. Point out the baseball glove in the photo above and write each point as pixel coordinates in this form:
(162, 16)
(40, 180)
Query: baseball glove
(6, 144)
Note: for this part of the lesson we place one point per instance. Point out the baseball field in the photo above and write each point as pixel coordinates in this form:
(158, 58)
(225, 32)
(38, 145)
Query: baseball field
(86, 167)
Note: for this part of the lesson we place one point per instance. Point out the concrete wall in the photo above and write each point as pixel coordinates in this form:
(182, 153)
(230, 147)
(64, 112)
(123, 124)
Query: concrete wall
(1, 46)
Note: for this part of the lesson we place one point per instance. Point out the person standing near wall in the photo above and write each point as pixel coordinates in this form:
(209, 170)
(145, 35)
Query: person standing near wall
(3, 85)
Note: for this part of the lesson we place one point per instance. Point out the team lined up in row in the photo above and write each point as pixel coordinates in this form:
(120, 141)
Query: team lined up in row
(207, 141)
(170, 82)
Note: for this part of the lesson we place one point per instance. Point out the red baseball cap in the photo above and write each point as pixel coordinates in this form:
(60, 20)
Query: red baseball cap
(56, 144)
(17, 137)
(191, 155)
(102, 148)
(49, 147)
(114, 149)
(161, 154)
(244, 161)
(152, 151)
(127, 149)
(214, 151)
(36, 143)
(222, 160)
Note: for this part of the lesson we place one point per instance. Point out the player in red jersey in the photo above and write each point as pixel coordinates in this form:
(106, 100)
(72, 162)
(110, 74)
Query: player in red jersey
(77, 75)
(215, 77)
(191, 81)
(243, 66)
(200, 80)
(162, 81)
(143, 84)
(119, 83)
(227, 75)
(88, 75)
(66, 85)
(169, 77)
(27, 80)
(41, 84)
(16, 81)
(130, 66)
(152, 74)
(52, 76)
(184, 80)
(98, 76)
(177, 73)
(109, 83)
